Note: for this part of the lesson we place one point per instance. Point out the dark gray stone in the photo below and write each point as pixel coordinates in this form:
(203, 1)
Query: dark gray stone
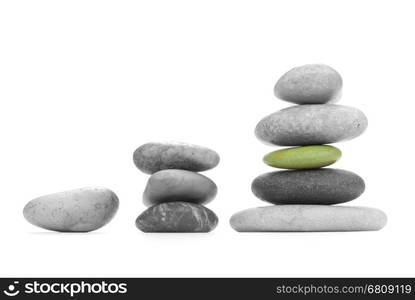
(153, 157)
(309, 84)
(177, 217)
(79, 210)
(318, 186)
(178, 185)
(278, 218)
(311, 125)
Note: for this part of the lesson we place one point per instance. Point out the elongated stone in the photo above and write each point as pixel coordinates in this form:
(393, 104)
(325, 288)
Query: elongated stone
(317, 186)
(178, 185)
(306, 157)
(309, 84)
(153, 157)
(177, 217)
(308, 218)
(79, 210)
(311, 125)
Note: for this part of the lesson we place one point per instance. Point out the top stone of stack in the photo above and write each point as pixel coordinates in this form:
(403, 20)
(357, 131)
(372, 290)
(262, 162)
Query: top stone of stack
(316, 120)
(309, 84)
(153, 157)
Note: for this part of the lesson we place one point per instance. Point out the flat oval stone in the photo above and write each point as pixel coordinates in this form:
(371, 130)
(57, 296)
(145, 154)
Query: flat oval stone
(306, 157)
(153, 157)
(309, 84)
(80, 210)
(311, 125)
(178, 185)
(318, 186)
(308, 218)
(177, 217)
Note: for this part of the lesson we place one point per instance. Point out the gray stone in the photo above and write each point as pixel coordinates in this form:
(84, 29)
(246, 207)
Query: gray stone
(177, 217)
(316, 186)
(178, 185)
(153, 157)
(309, 84)
(308, 218)
(311, 125)
(79, 210)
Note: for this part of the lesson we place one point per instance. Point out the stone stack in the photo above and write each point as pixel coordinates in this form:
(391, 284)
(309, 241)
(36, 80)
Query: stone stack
(305, 196)
(175, 193)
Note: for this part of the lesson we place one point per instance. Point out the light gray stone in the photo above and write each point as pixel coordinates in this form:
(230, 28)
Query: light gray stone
(153, 157)
(308, 218)
(177, 217)
(178, 185)
(315, 186)
(311, 125)
(79, 210)
(309, 84)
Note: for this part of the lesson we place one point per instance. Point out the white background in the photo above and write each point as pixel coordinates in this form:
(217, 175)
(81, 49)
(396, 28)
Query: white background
(84, 83)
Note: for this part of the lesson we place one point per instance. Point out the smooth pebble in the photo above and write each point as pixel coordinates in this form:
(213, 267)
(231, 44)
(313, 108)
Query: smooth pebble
(306, 157)
(309, 84)
(153, 157)
(177, 217)
(78, 210)
(311, 125)
(316, 186)
(178, 185)
(308, 218)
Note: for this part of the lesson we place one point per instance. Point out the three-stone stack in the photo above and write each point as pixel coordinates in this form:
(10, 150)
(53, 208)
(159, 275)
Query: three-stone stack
(175, 192)
(305, 196)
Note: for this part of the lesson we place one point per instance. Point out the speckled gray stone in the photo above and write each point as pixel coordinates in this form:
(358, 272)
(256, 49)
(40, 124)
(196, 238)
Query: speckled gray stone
(318, 186)
(153, 157)
(177, 217)
(308, 218)
(178, 185)
(309, 84)
(79, 210)
(311, 125)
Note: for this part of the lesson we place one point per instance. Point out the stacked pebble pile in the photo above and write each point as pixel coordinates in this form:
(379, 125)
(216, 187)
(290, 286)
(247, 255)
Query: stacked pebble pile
(304, 196)
(175, 193)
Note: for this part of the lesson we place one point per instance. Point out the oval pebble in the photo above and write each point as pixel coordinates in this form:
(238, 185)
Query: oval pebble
(318, 186)
(153, 157)
(309, 84)
(308, 218)
(311, 125)
(78, 210)
(306, 157)
(177, 217)
(178, 185)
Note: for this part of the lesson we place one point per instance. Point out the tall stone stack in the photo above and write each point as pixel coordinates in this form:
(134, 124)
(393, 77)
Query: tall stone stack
(175, 192)
(305, 197)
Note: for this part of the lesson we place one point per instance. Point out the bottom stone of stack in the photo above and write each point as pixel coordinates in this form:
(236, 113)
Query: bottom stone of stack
(177, 217)
(300, 218)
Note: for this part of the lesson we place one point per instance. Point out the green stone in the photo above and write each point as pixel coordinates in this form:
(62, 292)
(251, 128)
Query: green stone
(306, 157)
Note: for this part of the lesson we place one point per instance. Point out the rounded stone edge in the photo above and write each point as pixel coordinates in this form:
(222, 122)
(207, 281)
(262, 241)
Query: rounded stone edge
(137, 153)
(116, 201)
(232, 221)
